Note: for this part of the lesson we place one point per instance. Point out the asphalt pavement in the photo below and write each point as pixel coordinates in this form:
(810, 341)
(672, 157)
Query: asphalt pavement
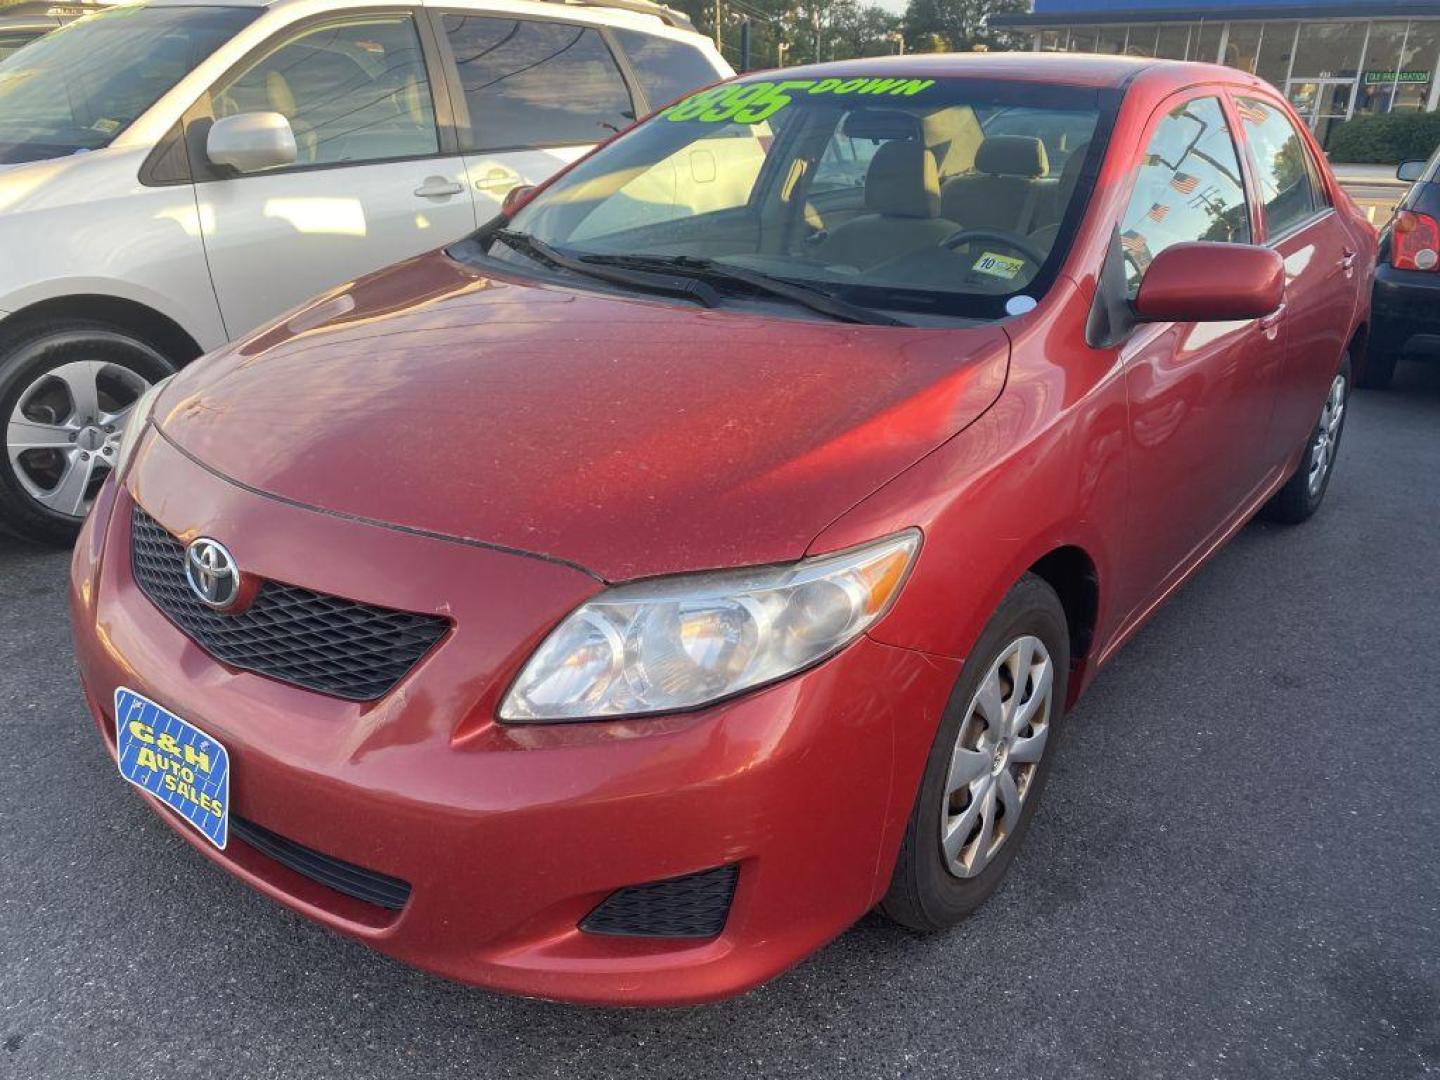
(1234, 873)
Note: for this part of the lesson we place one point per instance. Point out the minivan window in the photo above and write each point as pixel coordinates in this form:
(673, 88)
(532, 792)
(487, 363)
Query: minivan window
(1189, 187)
(78, 88)
(837, 184)
(354, 91)
(665, 68)
(530, 84)
(1283, 168)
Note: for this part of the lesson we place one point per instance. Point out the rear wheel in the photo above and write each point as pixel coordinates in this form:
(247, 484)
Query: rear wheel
(988, 764)
(1303, 493)
(66, 389)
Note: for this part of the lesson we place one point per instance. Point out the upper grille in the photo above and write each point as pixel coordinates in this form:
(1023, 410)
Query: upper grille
(695, 905)
(324, 643)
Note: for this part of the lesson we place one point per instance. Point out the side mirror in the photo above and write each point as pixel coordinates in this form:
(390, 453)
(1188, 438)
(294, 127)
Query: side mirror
(251, 142)
(1410, 171)
(1209, 282)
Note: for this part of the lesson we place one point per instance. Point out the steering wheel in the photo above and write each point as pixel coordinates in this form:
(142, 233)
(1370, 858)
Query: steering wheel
(1014, 241)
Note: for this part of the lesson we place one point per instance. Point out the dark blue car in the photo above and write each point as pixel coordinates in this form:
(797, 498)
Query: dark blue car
(1406, 313)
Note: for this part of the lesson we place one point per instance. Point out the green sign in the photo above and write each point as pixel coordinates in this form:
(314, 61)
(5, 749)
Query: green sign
(1373, 78)
(753, 102)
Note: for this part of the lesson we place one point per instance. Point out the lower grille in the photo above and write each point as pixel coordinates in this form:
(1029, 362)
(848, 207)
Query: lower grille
(693, 906)
(320, 642)
(354, 881)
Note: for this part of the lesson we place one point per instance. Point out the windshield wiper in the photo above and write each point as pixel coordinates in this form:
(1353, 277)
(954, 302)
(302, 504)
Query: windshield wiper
(541, 252)
(811, 296)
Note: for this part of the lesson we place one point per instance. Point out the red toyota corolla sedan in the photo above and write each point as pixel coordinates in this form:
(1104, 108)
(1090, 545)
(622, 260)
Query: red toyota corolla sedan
(616, 606)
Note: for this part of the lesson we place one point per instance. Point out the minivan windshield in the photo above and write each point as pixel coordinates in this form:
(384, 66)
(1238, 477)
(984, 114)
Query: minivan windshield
(78, 88)
(950, 197)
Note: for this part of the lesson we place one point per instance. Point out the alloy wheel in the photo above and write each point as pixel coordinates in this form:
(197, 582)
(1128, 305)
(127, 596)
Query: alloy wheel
(1327, 435)
(996, 757)
(63, 435)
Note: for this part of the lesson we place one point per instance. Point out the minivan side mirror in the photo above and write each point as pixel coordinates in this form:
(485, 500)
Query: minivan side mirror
(1210, 282)
(1410, 171)
(251, 142)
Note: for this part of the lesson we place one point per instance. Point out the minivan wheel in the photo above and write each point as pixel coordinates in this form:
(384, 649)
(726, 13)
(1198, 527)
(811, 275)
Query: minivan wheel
(66, 388)
(1303, 493)
(988, 764)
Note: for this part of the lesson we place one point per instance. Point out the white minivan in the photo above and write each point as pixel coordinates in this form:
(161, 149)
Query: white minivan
(173, 173)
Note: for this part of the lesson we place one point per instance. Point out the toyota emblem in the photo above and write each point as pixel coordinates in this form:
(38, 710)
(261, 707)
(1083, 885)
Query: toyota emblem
(211, 571)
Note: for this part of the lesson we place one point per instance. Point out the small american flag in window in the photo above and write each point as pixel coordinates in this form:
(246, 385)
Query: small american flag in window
(1252, 111)
(1157, 212)
(1184, 183)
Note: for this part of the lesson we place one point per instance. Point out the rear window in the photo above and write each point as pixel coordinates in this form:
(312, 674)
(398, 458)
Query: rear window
(666, 69)
(530, 84)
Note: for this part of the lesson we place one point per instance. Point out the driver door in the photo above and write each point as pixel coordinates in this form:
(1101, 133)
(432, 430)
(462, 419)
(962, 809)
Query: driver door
(378, 177)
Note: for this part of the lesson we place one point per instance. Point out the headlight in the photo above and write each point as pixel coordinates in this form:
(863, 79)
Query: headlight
(678, 642)
(135, 421)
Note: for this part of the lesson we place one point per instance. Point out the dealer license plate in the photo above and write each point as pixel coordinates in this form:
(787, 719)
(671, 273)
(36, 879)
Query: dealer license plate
(176, 762)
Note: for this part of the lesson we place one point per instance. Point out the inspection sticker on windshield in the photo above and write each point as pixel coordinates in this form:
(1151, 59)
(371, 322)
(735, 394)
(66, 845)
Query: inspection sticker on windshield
(176, 762)
(1001, 266)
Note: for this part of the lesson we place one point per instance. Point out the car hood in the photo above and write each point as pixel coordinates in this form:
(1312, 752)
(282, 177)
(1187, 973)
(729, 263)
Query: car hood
(628, 436)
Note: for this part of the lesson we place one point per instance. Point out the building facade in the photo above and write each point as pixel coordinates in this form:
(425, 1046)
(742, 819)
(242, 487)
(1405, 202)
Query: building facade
(1332, 61)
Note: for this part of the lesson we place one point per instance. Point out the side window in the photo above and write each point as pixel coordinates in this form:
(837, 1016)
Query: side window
(1188, 188)
(1283, 169)
(531, 84)
(355, 91)
(666, 69)
(844, 164)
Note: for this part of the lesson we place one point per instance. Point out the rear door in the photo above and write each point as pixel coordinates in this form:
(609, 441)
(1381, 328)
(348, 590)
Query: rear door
(1300, 222)
(532, 95)
(1200, 394)
(378, 176)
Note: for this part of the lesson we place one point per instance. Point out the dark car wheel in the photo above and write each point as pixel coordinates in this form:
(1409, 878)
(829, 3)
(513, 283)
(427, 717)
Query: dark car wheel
(1305, 491)
(65, 390)
(988, 764)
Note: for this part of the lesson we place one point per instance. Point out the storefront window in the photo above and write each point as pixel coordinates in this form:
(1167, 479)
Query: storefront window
(1328, 49)
(1242, 48)
(1082, 39)
(1275, 48)
(1112, 40)
(1142, 41)
(1173, 41)
(1052, 40)
(1422, 48)
(1382, 61)
(1205, 42)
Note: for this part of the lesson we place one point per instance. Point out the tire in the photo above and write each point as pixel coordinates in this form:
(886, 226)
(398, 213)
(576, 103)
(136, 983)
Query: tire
(1303, 493)
(926, 894)
(1378, 370)
(45, 490)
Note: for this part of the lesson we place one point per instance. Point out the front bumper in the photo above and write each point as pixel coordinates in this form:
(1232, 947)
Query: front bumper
(1405, 311)
(510, 835)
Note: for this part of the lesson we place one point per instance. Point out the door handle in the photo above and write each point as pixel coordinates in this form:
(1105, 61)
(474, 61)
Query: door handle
(437, 187)
(497, 178)
(1271, 323)
(1347, 260)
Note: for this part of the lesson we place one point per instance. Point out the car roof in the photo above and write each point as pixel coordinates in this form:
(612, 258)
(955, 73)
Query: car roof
(1070, 69)
(639, 13)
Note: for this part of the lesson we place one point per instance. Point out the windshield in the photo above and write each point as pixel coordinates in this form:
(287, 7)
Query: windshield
(939, 196)
(79, 87)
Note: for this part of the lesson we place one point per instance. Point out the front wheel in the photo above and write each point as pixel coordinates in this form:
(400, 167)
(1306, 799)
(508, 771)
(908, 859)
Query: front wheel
(1303, 493)
(66, 388)
(988, 764)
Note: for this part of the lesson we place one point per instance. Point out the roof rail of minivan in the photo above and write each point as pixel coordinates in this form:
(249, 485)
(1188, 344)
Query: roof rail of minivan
(668, 15)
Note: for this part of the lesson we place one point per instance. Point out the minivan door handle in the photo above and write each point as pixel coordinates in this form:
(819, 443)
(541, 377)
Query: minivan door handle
(1347, 261)
(437, 187)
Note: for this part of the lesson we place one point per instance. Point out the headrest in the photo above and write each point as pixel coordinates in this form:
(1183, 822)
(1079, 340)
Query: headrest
(903, 181)
(1070, 173)
(1012, 155)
